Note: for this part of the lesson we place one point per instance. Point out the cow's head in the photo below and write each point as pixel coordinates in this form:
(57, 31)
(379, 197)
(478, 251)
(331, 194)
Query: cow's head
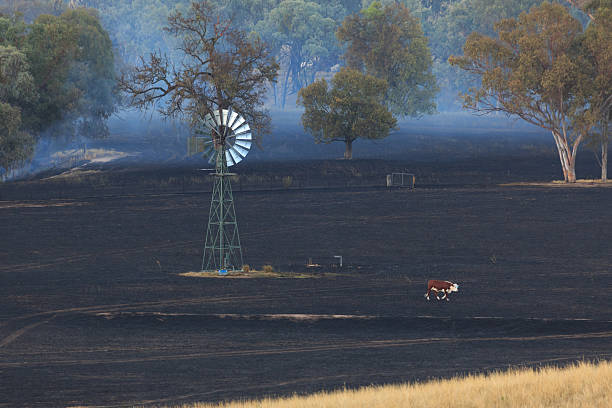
(454, 288)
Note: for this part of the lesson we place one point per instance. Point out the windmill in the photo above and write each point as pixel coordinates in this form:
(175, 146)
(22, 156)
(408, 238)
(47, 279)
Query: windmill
(224, 137)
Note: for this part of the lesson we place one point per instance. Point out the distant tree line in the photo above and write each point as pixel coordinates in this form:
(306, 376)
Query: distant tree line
(398, 58)
(300, 33)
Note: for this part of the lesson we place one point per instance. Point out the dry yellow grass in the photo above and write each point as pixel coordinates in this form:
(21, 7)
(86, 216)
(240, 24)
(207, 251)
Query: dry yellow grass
(581, 385)
(560, 183)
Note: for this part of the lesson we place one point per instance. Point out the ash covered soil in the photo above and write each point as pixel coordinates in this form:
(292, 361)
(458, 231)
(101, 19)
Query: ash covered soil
(93, 311)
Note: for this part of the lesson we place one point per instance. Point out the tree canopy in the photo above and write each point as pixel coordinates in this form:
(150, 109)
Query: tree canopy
(57, 77)
(352, 108)
(597, 44)
(302, 37)
(535, 71)
(387, 42)
(73, 68)
(222, 67)
(16, 90)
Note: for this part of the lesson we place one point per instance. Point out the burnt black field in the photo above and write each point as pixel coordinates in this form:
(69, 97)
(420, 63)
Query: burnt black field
(93, 310)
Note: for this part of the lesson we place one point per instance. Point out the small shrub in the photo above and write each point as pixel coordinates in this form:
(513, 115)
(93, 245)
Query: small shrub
(246, 268)
(287, 181)
(268, 268)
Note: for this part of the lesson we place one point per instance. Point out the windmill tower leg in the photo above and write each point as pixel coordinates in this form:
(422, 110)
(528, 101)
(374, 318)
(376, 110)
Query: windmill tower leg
(222, 248)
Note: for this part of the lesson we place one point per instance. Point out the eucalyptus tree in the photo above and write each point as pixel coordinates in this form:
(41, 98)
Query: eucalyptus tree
(302, 37)
(352, 108)
(30, 9)
(535, 71)
(221, 67)
(72, 63)
(16, 91)
(597, 44)
(387, 42)
(449, 29)
(56, 77)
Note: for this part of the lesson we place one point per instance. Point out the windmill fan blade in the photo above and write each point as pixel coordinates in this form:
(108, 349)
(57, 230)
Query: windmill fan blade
(221, 126)
(242, 129)
(232, 120)
(243, 143)
(240, 150)
(209, 151)
(218, 118)
(237, 123)
(191, 146)
(225, 117)
(246, 146)
(247, 137)
(212, 157)
(229, 159)
(209, 122)
(235, 156)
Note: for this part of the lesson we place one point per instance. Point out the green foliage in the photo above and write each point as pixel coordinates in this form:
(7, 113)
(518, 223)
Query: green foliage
(301, 35)
(466, 16)
(287, 181)
(136, 26)
(92, 74)
(16, 146)
(388, 43)
(17, 90)
(73, 68)
(449, 30)
(16, 82)
(12, 30)
(353, 108)
(30, 9)
(374, 10)
(56, 76)
(597, 46)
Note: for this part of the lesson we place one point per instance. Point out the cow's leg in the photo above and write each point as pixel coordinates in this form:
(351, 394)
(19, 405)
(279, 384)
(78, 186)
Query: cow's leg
(427, 294)
(444, 295)
(437, 293)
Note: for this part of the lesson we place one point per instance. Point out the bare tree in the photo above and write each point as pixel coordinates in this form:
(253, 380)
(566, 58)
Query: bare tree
(222, 67)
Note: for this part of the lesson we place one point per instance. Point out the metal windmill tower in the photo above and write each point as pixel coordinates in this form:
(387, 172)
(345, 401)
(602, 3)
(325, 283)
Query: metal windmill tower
(225, 138)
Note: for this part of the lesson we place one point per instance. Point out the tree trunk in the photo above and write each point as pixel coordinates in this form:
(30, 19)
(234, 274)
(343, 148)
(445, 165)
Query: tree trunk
(348, 152)
(275, 97)
(604, 151)
(284, 90)
(567, 157)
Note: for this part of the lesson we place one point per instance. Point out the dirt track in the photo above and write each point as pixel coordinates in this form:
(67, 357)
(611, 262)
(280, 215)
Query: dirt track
(92, 310)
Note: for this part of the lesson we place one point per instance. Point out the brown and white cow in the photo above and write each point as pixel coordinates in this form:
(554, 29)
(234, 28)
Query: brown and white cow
(438, 286)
